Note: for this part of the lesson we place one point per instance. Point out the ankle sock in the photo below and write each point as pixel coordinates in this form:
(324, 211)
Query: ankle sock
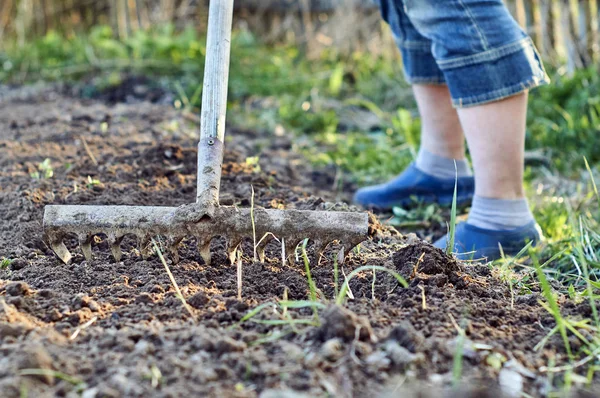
(441, 167)
(499, 214)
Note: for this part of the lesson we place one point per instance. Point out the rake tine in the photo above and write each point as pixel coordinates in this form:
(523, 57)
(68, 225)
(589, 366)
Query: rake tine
(204, 249)
(290, 249)
(85, 242)
(320, 247)
(115, 246)
(173, 245)
(232, 246)
(144, 246)
(61, 250)
(262, 245)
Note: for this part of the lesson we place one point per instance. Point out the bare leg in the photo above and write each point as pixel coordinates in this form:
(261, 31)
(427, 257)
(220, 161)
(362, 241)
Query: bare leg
(496, 136)
(441, 131)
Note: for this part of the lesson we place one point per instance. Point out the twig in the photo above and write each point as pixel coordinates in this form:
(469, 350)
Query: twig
(88, 151)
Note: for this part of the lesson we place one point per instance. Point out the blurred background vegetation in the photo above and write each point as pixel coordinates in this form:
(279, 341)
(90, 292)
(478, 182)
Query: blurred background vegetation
(327, 72)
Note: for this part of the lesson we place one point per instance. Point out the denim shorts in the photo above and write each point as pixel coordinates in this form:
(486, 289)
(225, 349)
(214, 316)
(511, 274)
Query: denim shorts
(474, 46)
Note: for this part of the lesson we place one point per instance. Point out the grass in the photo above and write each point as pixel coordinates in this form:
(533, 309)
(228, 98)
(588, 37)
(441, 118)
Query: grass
(173, 281)
(5, 263)
(457, 359)
(452, 226)
(552, 305)
(311, 284)
(52, 373)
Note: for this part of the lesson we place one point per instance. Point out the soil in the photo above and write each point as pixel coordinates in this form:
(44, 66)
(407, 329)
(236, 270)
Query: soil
(106, 329)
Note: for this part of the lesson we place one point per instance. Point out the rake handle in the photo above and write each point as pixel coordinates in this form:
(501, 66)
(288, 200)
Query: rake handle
(214, 104)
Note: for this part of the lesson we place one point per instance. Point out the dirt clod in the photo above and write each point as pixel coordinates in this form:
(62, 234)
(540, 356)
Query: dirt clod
(198, 300)
(406, 336)
(18, 289)
(421, 257)
(17, 264)
(339, 322)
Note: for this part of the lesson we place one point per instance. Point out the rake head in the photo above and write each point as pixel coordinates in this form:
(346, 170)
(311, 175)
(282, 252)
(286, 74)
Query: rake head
(204, 219)
(290, 227)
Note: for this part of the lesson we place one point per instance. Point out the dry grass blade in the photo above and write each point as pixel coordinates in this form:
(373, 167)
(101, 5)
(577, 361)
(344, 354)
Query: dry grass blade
(88, 150)
(53, 373)
(253, 224)
(84, 326)
(173, 282)
(239, 275)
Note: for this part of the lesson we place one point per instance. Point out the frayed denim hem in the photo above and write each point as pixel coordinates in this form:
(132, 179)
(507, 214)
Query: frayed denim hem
(498, 95)
(494, 74)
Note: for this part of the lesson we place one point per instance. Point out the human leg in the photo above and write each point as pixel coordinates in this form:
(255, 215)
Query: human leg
(489, 64)
(431, 177)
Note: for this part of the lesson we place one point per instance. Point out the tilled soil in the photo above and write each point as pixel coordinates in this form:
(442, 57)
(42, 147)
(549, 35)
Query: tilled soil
(106, 329)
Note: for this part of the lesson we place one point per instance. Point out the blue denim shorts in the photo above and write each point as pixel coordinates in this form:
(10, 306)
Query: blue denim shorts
(474, 46)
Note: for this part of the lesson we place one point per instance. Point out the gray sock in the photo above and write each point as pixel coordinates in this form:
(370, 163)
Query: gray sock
(499, 214)
(441, 167)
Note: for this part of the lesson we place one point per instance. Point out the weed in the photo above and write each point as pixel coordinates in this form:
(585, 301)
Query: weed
(5, 263)
(342, 295)
(92, 182)
(552, 305)
(457, 361)
(311, 284)
(253, 163)
(52, 373)
(44, 170)
(452, 227)
(418, 216)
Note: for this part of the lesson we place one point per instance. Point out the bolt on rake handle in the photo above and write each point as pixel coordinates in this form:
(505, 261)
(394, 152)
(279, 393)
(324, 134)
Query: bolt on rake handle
(214, 104)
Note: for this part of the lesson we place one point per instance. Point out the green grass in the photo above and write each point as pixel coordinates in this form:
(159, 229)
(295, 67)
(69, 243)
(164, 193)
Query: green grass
(452, 226)
(5, 263)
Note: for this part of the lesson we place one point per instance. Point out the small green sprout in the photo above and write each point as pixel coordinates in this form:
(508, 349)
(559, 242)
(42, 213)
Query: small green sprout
(91, 182)
(252, 161)
(5, 262)
(44, 170)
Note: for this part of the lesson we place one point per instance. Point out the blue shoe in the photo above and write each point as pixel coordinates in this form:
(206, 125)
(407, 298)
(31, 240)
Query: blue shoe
(413, 184)
(471, 242)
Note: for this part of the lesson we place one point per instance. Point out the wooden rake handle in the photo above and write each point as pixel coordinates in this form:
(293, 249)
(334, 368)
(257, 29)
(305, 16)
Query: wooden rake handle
(214, 104)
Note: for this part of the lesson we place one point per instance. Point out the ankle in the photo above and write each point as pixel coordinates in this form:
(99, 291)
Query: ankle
(440, 166)
(499, 214)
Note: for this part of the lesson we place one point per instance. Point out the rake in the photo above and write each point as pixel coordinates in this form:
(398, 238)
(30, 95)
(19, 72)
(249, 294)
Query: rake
(205, 219)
